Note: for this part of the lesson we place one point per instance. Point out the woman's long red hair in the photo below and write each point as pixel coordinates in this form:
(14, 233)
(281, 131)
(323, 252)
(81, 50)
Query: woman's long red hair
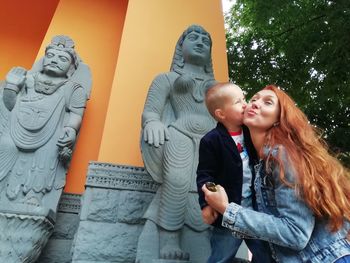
(322, 181)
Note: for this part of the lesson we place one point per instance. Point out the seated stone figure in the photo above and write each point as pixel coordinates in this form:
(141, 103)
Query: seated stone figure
(174, 119)
(40, 118)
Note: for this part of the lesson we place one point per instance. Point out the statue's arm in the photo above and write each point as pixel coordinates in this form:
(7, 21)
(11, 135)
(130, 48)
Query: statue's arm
(157, 96)
(155, 131)
(15, 80)
(75, 109)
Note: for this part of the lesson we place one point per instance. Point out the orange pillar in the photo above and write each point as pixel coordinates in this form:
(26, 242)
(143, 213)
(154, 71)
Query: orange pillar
(150, 33)
(96, 27)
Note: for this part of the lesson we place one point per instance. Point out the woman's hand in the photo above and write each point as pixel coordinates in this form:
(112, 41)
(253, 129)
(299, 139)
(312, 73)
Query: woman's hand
(217, 200)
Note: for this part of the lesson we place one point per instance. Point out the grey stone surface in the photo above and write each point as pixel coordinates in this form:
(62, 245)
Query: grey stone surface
(106, 242)
(113, 204)
(59, 246)
(173, 121)
(40, 115)
(132, 206)
(23, 236)
(56, 251)
(113, 237)
(103, 205)
(66, 226)
(109, 205)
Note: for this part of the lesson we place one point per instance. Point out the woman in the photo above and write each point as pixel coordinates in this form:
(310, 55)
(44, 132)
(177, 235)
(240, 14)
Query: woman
(302, 192)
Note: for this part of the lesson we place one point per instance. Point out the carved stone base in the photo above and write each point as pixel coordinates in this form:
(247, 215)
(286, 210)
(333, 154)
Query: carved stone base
(23, 236)
(58, 248)
(111, 219)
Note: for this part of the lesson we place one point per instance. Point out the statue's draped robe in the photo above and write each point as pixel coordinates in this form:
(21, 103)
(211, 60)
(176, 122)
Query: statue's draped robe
(174, 164)
(28, 151)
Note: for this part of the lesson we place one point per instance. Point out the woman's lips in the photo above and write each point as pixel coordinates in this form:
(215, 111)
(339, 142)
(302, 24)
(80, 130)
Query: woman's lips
(251, 113)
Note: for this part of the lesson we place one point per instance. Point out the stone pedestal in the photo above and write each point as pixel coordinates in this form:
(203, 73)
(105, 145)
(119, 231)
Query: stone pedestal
(23, 235)
(115, 199)
(113, 204)
(59, 246)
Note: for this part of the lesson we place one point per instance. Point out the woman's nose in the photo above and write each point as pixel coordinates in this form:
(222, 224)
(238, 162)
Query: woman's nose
(255, 105)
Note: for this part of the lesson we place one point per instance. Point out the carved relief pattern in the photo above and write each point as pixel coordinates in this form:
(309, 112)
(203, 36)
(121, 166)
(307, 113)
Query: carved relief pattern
(23, 237)
(70, 203)
(120, 177)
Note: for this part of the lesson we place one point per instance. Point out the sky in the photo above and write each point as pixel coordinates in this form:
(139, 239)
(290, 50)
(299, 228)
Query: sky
(226, 4)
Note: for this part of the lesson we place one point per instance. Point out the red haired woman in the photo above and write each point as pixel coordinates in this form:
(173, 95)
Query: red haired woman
(302, 192)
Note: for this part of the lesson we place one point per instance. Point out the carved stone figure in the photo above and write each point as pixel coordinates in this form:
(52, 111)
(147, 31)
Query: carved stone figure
(173, 121)
(40, 118)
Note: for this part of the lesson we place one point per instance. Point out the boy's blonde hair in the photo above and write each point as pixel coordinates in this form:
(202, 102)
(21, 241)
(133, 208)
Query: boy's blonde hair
(215, 96)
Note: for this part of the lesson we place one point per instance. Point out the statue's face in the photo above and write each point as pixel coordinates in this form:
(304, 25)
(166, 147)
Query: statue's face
(196, 48)
(57, 62)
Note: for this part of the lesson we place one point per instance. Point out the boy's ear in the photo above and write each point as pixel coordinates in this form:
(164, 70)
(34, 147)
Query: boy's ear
(219, 114)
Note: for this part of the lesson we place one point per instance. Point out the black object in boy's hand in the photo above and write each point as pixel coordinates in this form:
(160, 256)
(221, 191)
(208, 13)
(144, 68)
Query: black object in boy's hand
(211, 186)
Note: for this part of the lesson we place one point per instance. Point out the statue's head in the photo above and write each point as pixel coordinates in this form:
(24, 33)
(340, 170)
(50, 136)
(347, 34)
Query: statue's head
(194, 47)
(60, 57)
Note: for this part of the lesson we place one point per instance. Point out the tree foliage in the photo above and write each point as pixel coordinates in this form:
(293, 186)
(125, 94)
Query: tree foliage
(303, 46)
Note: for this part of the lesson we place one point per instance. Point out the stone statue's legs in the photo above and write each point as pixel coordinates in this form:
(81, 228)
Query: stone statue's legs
(177, 180)
(170, 245)
(44, 164)
(169, 209)
(20, 171)
(34, 175)
(148, 244)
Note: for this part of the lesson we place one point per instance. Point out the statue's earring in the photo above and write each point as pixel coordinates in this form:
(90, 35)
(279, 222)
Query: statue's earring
(276, 124)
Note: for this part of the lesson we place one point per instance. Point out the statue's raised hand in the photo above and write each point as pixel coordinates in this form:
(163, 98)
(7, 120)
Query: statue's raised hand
(16, 76)
(155, 133)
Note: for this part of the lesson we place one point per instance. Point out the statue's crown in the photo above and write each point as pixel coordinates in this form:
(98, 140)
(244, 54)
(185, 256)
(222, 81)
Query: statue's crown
(62, 41)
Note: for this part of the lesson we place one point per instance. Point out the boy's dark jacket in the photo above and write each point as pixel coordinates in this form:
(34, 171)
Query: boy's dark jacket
(221, 163)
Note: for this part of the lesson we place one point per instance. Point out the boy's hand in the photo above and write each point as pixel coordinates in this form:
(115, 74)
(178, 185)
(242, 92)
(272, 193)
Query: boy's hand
(209, 215)
(217, 200)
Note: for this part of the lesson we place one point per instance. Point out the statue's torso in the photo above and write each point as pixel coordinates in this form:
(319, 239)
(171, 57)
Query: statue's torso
(33, 110)
(190, 111)
(36, 116)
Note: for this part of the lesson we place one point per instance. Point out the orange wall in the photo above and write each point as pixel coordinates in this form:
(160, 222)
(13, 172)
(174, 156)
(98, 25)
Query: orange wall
(124, 57)
(23, 27)
(150, 33)
(96, 28)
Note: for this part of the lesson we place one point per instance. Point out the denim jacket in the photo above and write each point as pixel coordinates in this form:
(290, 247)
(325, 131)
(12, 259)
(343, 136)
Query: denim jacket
(286, 222)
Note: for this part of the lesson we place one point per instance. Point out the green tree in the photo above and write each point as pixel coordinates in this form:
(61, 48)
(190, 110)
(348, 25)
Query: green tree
(303, 46)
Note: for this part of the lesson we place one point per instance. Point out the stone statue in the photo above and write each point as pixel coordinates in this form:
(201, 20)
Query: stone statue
(40, 118)
(173, 121)
(45, 112)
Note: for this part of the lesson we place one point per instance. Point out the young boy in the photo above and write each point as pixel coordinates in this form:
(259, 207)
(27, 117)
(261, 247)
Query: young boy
(224, 159)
